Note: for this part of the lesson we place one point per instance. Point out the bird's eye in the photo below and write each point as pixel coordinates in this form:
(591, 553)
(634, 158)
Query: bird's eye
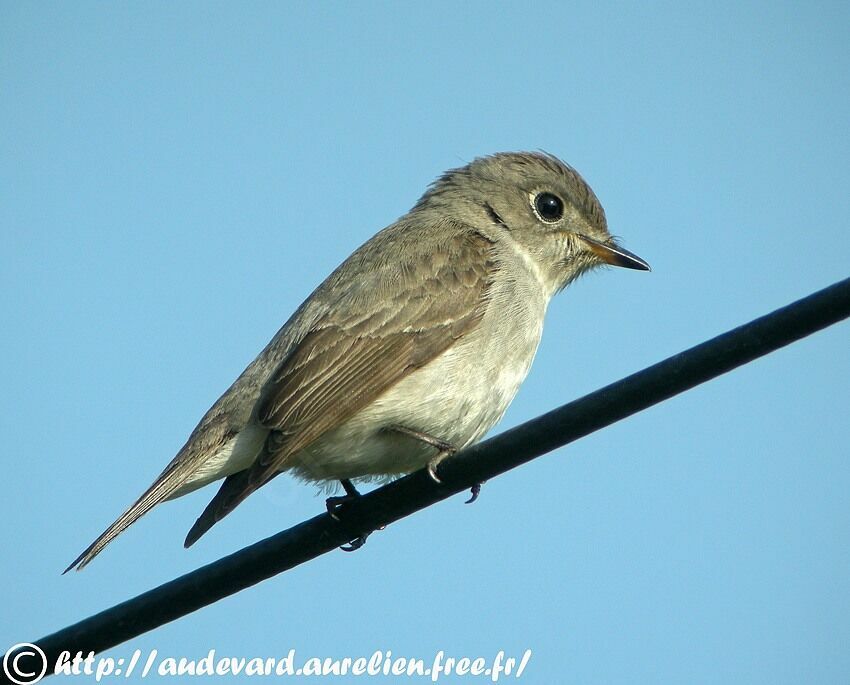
(549, 207)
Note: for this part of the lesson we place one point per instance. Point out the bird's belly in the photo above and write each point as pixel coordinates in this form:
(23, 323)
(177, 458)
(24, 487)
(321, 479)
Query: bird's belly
(456, 398)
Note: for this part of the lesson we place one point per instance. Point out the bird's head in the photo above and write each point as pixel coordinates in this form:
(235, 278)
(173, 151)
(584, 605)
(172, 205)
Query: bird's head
(541, 203)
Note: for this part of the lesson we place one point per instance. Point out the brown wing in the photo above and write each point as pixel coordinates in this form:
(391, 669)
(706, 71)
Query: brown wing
(361, 349)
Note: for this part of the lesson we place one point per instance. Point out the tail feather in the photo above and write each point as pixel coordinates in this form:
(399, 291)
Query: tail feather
(164, 486)
(232, 492)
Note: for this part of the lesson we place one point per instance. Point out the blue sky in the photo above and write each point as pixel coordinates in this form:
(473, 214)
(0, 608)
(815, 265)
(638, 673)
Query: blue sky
(176, 178)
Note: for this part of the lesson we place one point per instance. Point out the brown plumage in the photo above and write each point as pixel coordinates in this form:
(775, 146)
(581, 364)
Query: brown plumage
(430, 325)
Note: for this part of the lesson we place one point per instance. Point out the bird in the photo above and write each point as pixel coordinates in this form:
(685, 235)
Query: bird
(410, 350)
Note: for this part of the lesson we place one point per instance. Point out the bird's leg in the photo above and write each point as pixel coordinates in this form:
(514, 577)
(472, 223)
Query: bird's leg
(444, 449)
(436, 443)
(334, 503)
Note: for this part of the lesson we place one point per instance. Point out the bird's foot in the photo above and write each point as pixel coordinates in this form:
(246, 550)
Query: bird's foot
(333, 505)
(356, 543)
(474, 491)
(445, 449)
(435, 462)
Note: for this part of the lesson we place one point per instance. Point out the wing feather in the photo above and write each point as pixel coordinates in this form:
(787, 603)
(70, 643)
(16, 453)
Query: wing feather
(358, 350)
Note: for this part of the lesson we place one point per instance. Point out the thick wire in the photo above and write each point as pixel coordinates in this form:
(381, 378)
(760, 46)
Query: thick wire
(476, 464)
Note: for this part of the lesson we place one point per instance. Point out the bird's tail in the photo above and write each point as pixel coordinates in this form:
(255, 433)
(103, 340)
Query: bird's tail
(232, 492)
(162, 488)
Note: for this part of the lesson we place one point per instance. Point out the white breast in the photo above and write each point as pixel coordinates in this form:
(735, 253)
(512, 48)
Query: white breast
(456, 397)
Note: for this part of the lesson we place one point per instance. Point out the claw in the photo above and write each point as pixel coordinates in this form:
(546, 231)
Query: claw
(444, 449)
(432, 470)
(435, 462)
(474, 491)
(334, 503)
(355, 544)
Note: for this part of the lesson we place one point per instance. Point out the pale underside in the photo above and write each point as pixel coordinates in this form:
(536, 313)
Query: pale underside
(438, 344)
(471, 383)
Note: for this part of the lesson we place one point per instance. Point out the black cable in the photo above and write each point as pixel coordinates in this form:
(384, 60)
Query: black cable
(474, 465)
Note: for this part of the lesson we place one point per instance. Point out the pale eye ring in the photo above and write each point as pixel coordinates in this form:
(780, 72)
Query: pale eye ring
(549, 207)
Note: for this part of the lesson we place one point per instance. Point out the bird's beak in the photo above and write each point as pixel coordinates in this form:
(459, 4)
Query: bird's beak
(614, 255)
